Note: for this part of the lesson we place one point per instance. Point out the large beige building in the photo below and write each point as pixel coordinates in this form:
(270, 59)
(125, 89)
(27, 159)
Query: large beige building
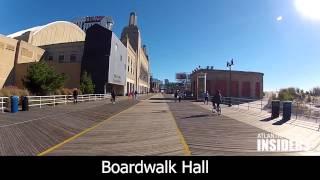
(8, 49)
(132, 63)
(15, 56)
(59, 43)
(53, 33)
(62, 44)
(138, 79)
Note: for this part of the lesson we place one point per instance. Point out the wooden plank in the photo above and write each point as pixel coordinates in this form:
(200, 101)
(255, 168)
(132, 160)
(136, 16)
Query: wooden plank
(29, 133)
(140, 131)
(208, 134)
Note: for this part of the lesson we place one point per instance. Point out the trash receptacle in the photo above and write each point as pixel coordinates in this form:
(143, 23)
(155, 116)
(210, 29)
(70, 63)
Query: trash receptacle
(287, 108)
(275, 109)
(25, 103)
(14, 104)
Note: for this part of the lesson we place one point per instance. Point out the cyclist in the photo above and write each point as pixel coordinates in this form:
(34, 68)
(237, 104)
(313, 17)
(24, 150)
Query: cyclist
(217, 99)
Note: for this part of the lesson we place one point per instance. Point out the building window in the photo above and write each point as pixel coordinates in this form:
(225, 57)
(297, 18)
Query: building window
(61, 58)
(128, 64)
(121, 58)
(50, 58)
(73, 58)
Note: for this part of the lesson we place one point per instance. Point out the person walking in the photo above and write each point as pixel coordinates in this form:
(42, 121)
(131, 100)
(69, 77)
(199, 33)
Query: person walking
(113, 97)
(135, 95)
(206, 98)
(175, 96)
(75, 96)
(180, 97)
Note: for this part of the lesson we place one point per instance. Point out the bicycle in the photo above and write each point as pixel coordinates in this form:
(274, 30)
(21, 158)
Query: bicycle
(216, 109)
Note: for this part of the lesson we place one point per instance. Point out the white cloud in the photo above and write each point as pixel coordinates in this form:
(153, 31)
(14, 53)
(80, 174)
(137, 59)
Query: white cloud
(279, 18)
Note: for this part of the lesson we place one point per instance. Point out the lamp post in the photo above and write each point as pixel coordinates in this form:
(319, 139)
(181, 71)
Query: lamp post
(229, 65)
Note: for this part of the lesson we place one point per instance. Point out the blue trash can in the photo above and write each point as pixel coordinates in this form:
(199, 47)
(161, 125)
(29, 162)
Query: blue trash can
(14, 104)
(287, 108)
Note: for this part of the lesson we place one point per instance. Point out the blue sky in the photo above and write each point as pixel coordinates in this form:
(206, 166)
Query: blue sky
(182, 34)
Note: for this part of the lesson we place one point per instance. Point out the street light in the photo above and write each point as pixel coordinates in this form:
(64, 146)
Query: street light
(229, 65)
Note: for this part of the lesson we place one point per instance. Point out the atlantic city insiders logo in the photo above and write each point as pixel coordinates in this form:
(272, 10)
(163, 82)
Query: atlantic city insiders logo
(268, 142)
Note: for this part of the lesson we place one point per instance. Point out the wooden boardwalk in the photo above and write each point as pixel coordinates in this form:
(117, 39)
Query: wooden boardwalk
(302, 132)
(30, 133)
(208, 134)
(156, 126)
(146, 129)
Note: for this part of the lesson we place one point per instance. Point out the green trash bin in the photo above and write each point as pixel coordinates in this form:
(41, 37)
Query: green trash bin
(287, 109)
(275, 109)
(25, 103)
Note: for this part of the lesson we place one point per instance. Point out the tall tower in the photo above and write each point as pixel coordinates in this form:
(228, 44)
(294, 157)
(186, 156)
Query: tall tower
(133, 21)
(132, 31)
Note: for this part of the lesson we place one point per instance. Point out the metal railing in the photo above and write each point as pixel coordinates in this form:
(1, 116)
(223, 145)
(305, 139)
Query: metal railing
(305, 111)
(40, 101)
(301, 111)
(3, 103)
(246, 103)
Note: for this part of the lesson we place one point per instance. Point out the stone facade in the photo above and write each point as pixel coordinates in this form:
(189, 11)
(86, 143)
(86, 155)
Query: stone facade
(66, 58)
(8, 49)
(59, 43)
(15, 57)
(137, 54)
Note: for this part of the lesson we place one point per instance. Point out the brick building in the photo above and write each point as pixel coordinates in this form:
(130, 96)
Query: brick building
(243, 84)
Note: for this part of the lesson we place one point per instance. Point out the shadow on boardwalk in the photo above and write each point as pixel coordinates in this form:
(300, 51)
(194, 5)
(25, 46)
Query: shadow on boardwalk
(212, 135)
(32, 132)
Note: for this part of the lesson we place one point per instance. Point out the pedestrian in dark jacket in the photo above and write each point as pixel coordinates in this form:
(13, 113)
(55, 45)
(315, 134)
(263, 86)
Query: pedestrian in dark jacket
(135, 94)
(175, 96)
(218, 98)
(75, 96)
(180, 97)
(113, 97)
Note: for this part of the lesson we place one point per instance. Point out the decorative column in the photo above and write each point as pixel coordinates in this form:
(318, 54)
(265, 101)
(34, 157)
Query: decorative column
(201, 85)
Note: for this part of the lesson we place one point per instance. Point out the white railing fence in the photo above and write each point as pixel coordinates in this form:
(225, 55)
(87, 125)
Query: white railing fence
(41, 101)
(3, 103)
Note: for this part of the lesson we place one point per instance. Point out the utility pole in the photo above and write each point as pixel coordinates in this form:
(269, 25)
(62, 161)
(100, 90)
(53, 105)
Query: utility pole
(229, 65)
